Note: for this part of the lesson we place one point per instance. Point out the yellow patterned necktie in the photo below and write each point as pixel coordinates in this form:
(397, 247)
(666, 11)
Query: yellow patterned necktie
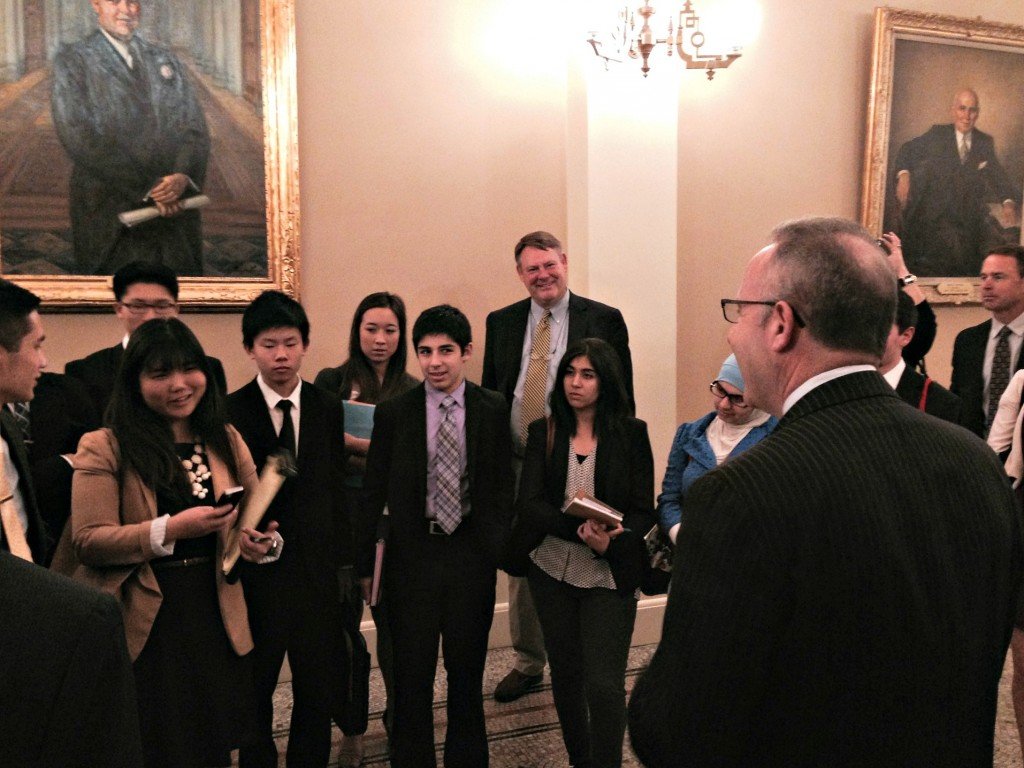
(536, 386)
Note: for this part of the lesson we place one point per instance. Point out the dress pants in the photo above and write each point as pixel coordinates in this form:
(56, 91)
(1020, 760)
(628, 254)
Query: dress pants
(449, 597)
(286, 615)
(523, 623)
(587, 634)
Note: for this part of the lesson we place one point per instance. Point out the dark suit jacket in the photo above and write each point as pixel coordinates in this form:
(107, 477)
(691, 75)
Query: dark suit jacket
(843, 595)
(61, 413)
(67, 692)
(623, 479)
(967, 381)
(98, 371)
(310, 508)
(948, 229)
(39, 540)
(123, 130)
(396, 475)
(940, 402)
(506, 328)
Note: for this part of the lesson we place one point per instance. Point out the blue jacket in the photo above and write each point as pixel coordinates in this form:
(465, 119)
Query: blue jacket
(691, 456)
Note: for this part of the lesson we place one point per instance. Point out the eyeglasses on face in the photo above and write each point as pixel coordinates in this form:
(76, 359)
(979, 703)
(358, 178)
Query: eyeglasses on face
(719, 392)
(141, 307)
(731, 308)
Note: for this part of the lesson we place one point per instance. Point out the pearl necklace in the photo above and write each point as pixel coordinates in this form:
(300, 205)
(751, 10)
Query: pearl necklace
(197, 471)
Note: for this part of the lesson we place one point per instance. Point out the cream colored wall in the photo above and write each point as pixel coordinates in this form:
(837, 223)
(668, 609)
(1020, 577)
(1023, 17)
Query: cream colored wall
(779, 135)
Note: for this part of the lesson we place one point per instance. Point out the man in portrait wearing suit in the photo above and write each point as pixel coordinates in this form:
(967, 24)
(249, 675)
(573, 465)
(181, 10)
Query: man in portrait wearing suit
(22, 531)
(844, 591)
(915, 389)
(67, 692)
(554, 314)
(128, 117)
(293, 603)
(945, 180)
(985, 356)
(142, 291)
(440, 460)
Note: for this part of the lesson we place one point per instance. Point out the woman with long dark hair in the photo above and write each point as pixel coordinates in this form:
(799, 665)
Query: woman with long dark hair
(146, 527)
(584, 576)
(374, 372)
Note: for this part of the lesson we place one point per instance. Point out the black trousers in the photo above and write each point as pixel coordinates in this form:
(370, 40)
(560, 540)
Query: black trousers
(586, 634)
(286, 615)
(448, 597)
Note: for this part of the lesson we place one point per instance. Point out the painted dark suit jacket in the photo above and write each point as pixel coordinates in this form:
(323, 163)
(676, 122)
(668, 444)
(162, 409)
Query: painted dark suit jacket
(503, 347)
(124, 129)
(310, 508)
(98, 371)
(947, 229)
(967, 380)
(396, 475)
(940, 402)
(67, 692)
(843, 595)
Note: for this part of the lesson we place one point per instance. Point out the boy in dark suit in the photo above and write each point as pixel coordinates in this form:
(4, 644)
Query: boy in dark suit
(440, 459)
(293, 603)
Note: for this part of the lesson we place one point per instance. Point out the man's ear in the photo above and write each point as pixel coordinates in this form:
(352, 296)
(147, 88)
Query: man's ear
(782, 327)
(906, 336)
(467, 350)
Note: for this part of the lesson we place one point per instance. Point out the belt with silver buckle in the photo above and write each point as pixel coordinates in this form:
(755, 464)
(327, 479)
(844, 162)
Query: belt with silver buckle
(434, 529)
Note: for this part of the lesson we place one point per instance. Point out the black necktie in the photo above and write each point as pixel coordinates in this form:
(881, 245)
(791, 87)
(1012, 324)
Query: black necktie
(1000, 375)
(286, 437)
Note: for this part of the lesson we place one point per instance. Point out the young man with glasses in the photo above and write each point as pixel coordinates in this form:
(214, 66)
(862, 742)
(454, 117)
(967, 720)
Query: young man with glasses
(142, 291)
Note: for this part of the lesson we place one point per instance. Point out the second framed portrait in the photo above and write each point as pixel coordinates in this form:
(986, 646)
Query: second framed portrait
(944, 158)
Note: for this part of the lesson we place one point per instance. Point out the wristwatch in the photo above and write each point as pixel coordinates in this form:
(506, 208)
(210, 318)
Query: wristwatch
(906, 280)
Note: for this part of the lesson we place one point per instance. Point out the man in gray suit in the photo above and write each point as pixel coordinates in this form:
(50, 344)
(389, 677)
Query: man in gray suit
(127, 115)
(844, 591)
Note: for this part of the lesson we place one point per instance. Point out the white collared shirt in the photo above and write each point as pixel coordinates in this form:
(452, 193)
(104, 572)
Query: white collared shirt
(895, 373)
(14, 483)
(276, 414)
(559, 341)
(822, 378)
(1016, 327)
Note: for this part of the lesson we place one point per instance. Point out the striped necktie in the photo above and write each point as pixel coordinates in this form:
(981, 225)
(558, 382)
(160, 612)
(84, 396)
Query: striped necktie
(1000, 376)
(447, 500)
(535, 388)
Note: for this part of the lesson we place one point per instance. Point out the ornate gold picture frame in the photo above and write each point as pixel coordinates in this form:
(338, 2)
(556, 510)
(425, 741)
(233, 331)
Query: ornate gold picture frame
(239, 58)
(957, 197)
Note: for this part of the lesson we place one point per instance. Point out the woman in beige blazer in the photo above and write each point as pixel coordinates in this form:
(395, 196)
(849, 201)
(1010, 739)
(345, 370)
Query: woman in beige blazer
(145, 527)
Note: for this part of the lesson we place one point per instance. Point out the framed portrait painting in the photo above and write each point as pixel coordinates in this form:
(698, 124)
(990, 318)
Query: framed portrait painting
(149, 130)
(944, 158)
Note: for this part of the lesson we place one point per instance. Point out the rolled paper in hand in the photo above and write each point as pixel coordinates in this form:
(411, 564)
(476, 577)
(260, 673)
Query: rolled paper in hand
(150, 212)
(278, 468)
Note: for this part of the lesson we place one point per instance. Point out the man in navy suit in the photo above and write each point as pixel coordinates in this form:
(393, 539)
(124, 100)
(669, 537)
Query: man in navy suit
(440, 460)
(293, 603)
(945, 180)
(844, 591)
(975, 348)
(127, 115)
(142, 291)
(543, 268)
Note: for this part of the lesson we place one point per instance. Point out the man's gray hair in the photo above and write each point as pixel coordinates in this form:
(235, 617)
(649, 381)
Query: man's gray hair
(845, 295)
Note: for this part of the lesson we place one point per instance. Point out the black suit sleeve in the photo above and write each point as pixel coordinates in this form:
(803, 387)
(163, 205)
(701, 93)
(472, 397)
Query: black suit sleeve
(613, 330)
(626, 552)
(375, 487)
(534, 504)
(489, 378)
(694, 704)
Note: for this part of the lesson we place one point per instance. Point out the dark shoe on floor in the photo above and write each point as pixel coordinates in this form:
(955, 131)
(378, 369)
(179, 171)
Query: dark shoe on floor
(514, 685)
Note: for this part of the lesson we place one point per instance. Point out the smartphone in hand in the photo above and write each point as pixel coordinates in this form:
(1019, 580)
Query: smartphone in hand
(231, 496)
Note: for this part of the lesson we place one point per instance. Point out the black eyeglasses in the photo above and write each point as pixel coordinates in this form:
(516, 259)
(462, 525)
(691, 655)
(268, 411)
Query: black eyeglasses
(159, 307)
(731, 309)
(719, 392)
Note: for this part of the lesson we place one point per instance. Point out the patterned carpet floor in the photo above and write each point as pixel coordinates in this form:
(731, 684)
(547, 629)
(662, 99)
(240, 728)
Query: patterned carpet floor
(525, 733)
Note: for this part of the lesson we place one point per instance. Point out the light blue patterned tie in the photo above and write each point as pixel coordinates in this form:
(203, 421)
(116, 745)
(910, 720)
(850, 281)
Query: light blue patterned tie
(447, 502)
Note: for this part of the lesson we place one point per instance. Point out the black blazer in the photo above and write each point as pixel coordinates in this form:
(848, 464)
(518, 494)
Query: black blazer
(98, 371)
(67, 691)
(37, 536)
(506, 328)
(396, 475)
(842, 595)
(940, 402)
(623, 478)
(310, 508)
(967, 381)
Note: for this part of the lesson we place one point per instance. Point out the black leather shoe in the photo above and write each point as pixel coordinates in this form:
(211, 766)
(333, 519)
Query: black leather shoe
(515, 685)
